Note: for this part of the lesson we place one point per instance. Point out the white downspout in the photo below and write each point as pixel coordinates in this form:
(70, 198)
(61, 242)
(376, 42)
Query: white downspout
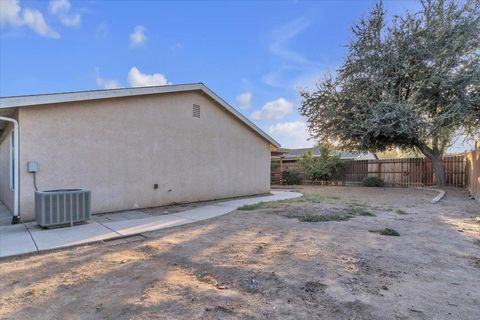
(16, 164)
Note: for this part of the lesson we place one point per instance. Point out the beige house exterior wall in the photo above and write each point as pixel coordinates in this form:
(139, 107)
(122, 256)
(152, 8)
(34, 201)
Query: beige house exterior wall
(119, 148)
(6, 193)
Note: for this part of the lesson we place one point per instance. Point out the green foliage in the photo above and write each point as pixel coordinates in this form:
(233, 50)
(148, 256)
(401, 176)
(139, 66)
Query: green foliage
(251, 206)
(358, 211)
(323, 218)
(326, 167)
(411, 83)
(351, 212)
(269, 204)
(387, 232)
(291, 177)
(372, 182)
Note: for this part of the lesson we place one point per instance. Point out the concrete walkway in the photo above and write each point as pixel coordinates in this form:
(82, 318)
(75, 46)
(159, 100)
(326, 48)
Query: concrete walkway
(29, 237)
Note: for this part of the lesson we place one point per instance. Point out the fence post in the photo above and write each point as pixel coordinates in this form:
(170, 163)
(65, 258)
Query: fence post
(379, 168)
(281, 170)
(423, 172)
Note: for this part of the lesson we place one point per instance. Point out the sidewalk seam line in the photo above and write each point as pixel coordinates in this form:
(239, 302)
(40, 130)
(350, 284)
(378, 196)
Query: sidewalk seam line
(28, 230)
(110, 229)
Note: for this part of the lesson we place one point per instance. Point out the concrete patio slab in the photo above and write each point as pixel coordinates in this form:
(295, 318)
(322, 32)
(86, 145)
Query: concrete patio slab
(24, 238)
(70, 236)
(15, 240)
(130, 227)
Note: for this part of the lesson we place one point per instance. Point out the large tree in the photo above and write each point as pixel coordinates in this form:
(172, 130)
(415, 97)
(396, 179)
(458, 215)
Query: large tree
(412, 82)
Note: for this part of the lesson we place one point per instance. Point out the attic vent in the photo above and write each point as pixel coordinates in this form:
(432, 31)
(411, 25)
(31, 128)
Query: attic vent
(196, 111)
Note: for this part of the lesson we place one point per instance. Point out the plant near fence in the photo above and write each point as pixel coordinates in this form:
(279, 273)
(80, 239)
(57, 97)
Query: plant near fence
(291, 177)
(326, 167)
(372, 182)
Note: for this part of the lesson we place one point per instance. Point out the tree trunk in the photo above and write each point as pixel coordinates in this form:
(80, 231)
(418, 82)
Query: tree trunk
(437, 163)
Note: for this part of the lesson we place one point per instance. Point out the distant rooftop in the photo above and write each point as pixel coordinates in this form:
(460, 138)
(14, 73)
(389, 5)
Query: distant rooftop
(344, 155)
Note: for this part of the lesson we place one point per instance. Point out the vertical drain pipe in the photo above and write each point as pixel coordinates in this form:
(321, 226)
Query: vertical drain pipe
(16, 162)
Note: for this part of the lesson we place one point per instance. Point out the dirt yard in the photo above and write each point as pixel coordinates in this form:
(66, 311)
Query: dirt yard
(319, 257)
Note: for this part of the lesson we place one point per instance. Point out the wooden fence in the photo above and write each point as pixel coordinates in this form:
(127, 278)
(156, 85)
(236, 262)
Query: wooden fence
(473, 171)
(408, 172)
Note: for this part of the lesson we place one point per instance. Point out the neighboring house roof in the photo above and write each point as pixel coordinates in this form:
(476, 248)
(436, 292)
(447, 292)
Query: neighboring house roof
(344, 155)
(279, 152)
(8, 104)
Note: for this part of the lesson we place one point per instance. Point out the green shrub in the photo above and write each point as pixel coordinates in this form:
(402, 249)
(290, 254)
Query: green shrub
(326, 167)
(356, 211)
(387, 232)
(291, 177)
(372, 182)
(251, 206)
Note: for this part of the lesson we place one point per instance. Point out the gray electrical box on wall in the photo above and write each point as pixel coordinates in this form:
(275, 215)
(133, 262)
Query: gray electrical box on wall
(32, 166)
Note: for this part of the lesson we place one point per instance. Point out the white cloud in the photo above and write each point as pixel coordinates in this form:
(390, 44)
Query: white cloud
(10, 13)
(58, 6)
(34, 19)
(13, 15)
(291, 134)
(61, 9)
(135, 78)
(244, 100)
(273, 110)
(71, 21)
(138, 79)
(138, 37)
(105, 83)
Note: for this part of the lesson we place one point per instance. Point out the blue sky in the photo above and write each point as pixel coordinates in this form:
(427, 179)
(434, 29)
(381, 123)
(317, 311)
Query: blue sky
(255, 55)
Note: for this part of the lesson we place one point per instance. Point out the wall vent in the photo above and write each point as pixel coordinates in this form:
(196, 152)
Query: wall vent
(196, 111)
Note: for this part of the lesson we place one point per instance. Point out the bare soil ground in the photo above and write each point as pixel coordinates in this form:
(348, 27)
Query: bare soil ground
(269, 263)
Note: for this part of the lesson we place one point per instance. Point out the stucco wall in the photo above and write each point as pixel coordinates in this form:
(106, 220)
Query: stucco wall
(6, 194)
(119, 148)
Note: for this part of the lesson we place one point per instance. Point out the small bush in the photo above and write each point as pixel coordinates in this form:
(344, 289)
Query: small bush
(326, 167)
(387, 232)
(356, 211)
(372, 182)
(291, 177)
(400, 211)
